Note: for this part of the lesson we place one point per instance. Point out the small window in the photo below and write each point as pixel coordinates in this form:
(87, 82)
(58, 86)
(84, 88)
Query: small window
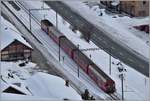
(144, 2)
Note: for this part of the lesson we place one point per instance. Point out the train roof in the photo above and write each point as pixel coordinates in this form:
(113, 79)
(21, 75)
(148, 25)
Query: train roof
(83, 57)
(70, 44)
(55, 31)
(46, 22)
(101, 72)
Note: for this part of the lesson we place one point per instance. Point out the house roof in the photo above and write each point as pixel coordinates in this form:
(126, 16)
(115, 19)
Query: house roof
(8, 34)
(5, 86)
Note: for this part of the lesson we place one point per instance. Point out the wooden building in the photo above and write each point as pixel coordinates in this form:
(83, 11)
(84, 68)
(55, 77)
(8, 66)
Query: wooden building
(14, 47)
(134, 8)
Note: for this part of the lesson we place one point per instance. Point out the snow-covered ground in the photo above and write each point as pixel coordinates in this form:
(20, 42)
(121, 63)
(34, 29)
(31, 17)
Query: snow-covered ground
(26, 79)
(103, 61)
(119, 28)
(50, 51)
(126, 22)
(50, 85)
(101, 58)
(39, 84)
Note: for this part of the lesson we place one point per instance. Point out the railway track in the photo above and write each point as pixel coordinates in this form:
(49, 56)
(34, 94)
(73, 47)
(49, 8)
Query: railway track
(99, 37)
(113, 96)
(49, 46)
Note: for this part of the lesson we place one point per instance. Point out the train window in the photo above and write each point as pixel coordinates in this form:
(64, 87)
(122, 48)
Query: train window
(106, 84)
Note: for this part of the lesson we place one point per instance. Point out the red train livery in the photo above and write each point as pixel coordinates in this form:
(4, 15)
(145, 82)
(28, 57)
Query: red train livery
(92, 70)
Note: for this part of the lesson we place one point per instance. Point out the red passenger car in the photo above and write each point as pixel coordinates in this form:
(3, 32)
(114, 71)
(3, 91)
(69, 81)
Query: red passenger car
(98, 76)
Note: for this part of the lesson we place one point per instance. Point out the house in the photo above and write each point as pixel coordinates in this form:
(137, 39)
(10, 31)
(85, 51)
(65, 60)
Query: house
(13, 46)
(133, 8)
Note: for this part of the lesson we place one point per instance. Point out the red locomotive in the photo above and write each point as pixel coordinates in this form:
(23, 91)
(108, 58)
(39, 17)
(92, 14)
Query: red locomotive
(99, 77)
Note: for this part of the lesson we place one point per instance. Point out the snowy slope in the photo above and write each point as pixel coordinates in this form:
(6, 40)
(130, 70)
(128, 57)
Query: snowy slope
(20, 75)
(116, 31)
(50, 85)
(83, 81)
(103, 60)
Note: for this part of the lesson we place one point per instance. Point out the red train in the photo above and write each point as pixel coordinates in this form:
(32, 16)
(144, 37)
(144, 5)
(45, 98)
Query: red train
(101, 79)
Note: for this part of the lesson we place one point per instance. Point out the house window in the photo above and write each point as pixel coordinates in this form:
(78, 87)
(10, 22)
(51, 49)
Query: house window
(144, 2)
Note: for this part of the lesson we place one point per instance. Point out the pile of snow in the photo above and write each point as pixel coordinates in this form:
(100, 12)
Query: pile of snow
(9, 33)
(45, 85)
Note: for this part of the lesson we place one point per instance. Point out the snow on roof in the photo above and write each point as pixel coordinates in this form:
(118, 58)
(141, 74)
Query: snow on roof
(5, 85)
(18, 73)
(115, 2)
(9, 33)
(18, 97)
(46, 85)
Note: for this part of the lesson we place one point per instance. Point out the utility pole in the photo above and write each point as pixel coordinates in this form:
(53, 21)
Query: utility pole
(78, 60)
(56, 20)
(122, 77)
(30, 19)
(110, 64)
(59, 48)
(43, 4)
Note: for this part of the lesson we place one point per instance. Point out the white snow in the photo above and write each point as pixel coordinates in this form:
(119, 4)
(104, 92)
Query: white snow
(51, 87)
(117, 31)
(101, 58)
(18, 97)
(19, 74)
(70, 67)
(9, 33)
(46, 85)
